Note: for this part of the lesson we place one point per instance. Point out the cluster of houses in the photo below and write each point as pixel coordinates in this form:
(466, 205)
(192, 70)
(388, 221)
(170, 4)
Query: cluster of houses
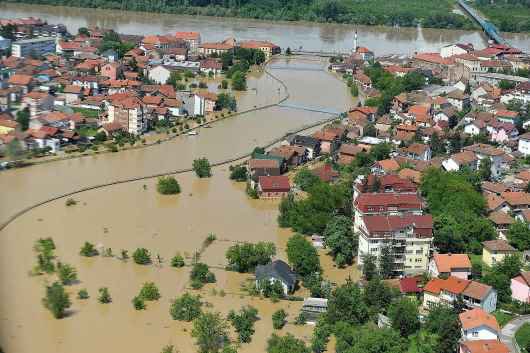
(66, 82)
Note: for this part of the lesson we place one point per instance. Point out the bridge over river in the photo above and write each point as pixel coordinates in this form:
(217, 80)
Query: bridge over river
(489, 28)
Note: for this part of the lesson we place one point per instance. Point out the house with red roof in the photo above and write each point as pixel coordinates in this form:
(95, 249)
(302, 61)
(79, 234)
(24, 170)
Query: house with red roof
(193, 39)
(520, 286)
(273, 186)
(130, 113)
(447, 291)
(456, 265)
(268, 48)
(476, 324)
(483, 346)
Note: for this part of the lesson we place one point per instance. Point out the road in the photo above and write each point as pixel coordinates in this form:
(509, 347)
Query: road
(509, 330)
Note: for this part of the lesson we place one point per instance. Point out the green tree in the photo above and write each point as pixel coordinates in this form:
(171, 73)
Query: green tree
(83, 31)
(88, 250)
(484, 169)
(381, 151)
(302, 255)
(82, 294)
(369, 267)
(238, 173)
(224, 84)
(339, 238)
(378, 295)
(519, 235)
(200, 275)
(149, 291)
(210, 331)
(286, 344)
(245, 257)
(386, 262)
(405, 317)
(368, 339)
(141, 256)
(279, 319)
(443, 321)
(177, 261)
(138, 303)
(56, 300)
(23, 118)
(186, 308)
(67, 273)
(239, 81)
(243, 322)
(346, 305)
(104, 295)
(14, 149)
(305, 179)
(226, 101)
(168, 186)
(202, 168)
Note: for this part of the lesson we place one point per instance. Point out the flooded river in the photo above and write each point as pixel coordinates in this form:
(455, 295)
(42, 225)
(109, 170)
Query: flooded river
(128, 216)
(310, 36)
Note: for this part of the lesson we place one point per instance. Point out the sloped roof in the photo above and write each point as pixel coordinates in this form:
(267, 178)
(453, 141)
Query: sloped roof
(277, 269)
(476, 318)
(449, 262)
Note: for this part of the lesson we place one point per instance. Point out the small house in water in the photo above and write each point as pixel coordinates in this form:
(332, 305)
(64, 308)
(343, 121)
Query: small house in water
(279, 271)
(314, 307)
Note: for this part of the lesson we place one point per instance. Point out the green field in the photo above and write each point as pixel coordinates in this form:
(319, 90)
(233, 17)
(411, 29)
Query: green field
(508, 17)
(522, 336)
(502, 318)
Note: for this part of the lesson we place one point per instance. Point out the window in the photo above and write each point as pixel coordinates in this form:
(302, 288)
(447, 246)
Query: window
(475, 333)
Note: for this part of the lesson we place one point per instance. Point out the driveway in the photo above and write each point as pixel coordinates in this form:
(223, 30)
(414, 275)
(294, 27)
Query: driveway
(509, 330)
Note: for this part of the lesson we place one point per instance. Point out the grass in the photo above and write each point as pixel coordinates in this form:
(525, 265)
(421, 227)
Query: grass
(502, 318)
(522, 336)
(87, 113)
(87, 131)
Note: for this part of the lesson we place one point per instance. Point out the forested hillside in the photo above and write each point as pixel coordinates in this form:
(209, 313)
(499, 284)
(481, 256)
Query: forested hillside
(430, 13)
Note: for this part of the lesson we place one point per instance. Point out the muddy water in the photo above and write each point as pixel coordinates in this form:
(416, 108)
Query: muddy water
(128, 216)
(311, 36)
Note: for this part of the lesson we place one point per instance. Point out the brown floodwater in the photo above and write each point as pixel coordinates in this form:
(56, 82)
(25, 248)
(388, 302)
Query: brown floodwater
(127, 216)
(310, 36)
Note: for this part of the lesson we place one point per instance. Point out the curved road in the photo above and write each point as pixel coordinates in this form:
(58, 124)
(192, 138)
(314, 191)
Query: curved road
(509, 330)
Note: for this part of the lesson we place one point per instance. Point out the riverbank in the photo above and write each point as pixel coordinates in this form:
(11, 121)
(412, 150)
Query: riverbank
(403, 13)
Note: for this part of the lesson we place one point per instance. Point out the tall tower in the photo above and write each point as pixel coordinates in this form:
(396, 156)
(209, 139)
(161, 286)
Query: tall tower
(355, 42)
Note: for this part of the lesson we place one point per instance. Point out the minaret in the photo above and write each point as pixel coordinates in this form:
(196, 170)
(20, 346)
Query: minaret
(355, 42)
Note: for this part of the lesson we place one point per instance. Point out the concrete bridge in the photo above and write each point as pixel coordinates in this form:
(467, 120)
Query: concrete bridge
(323, 54)
(489, 28)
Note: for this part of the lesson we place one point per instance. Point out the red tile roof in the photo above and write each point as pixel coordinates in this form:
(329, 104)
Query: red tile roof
(383, 201)
(483, 346)
(421, 225)
(449, 262)
(274, 183)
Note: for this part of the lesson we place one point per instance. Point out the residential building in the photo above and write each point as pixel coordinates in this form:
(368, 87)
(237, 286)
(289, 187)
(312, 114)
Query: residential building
(478, 325)
(218, 48)
(38, 102)
(313, 308)
(329, 141)
(33, 47)
(455, 49)
(382, 184)
(524, 144)
(386, 204)
(483, 346)
(501, 221)
(159, 74)
(279, 271)
(268, 48)
(417, 151)
(7, 126)
(517, 201)
(129, 112)
(456, 265)
(311, 144)
(409, 236)
(459, 100)
(270, 187)
(193, 39)
(447, 291)
(494, 251)
(385, 167)
(210, 65)
(520, 286)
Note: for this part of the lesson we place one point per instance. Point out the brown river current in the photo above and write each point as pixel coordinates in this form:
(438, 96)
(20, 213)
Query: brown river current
(128, 216)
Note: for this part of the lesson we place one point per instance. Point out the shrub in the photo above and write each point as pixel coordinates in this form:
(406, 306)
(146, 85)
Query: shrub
(300, 319)
(82, 294)
(67, 273)
(71, 202)
(168, 186)
(88, 250)
(177, 261)
(238, 173)
(141, 256)
(138, 303)
(56, 300)
(279, 319)
(200, 274)
(104, 295)
(186, 308)
(202, 168)
(149, 292)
